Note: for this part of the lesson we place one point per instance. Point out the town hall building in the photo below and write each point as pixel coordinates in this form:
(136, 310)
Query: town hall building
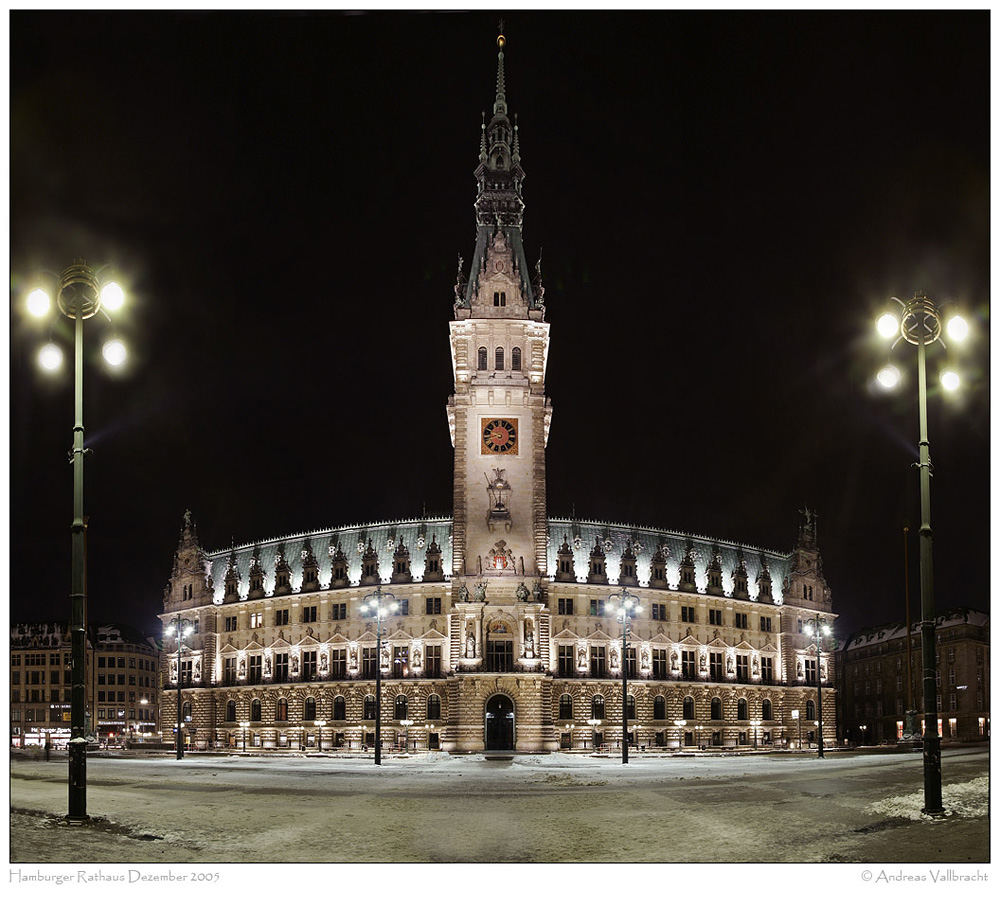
(501, 639)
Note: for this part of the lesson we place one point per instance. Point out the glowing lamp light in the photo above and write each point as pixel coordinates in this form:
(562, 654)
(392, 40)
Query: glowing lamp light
(887, 325)
(958, 328)
(38, 303)
(112, 296)
(50, 357)
(950, 380)
(114, 352)
(888, 376)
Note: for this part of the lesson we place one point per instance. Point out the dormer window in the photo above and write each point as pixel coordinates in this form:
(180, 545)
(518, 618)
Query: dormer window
(498, 359)
(515, 359)
(500, 298)
(482, 360)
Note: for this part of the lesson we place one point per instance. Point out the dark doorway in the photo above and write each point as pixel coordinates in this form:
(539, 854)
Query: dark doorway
(499, 723)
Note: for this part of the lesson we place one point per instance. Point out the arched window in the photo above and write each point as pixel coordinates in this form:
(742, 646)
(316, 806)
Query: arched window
(716, 708)
(515, 359)
(741, 709)
(186, 710)
(597, 707)
(689, 707)
(765, 711)
(482, 360)
(230, 710)
(309, 711)
(630, 706)
(810, 709)
(281, 710)
(400, 708)
(565, 707)
(659, 708)
(433, 707)
(339, 709)
(498, 359)
(255, 711)
(369, 712)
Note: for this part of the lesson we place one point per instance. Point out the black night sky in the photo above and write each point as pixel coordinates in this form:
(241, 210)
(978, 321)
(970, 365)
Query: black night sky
(725, 200)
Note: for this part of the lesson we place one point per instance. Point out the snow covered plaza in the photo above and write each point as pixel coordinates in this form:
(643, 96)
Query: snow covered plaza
(849, 807)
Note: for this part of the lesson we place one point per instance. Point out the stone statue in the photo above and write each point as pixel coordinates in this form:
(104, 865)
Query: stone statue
(267, 666)
(729, 665)
(645, 660)
(480, 593)
(197, 669)
(614, 659)
(701, 662)
(673, 660)
(173, 671)
(295, 665)
(536, 591)
(522, 592)
(581, 658)
(463, 593)
(470, 643)
(323, 662)
(243, 667)
(354, 660)
(529, 639)
(417, 658)
(385, 656)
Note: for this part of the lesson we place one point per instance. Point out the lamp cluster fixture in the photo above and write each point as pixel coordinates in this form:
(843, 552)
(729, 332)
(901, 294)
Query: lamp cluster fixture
(81, 292)
(919, 323)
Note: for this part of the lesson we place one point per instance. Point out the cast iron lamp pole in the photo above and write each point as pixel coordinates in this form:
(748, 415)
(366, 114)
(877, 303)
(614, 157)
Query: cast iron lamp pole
(624, 606)
(180, 628)
(244, 725)
(380, 606)
(80, 296)
(817, 631)
(920, 325)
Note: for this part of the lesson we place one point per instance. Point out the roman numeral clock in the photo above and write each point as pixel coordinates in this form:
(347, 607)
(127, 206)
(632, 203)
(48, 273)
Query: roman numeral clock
(499, 436)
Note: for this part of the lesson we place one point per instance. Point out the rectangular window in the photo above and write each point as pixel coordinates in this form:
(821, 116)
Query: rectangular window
(715, 666)
(256, 619)
(309, 614)
(230, 622)
(742, 668)
(767, 669)
(715, 616)
(400, 661)
(121, 678)
(309, 663)
(404, 606)
(687, 665)
(660, 664)
(121, 659)
(100, 662)
(810, 667)
(741, 620)
(280, 617)
(432, 661)
(339, 611)
(433, 606)
(281, 666)
(565, 661)
(100, 679)
(687, 614)
(254, 669)
(765, 624)
(596, 606)
(338, 664)
(630, 662)
(565, 607)
(499, 655)
(229, 670)
(185, 674)
(598, 661)
(369, 659)
(659, 611)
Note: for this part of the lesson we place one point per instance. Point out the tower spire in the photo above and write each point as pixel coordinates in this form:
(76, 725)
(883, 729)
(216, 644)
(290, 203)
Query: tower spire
(500, 105)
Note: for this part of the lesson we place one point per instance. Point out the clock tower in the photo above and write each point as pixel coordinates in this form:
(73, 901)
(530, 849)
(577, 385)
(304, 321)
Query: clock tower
(498, 415)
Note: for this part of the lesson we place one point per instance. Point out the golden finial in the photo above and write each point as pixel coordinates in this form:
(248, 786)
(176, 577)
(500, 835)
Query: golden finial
(501, 40)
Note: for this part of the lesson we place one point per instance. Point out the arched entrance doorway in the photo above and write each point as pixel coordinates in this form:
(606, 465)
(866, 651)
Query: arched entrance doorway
(499, 723)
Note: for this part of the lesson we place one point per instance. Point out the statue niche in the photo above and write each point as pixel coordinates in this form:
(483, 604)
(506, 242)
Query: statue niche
(499, 492)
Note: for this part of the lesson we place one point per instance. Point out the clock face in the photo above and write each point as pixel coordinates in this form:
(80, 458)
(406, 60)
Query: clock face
(499, 436)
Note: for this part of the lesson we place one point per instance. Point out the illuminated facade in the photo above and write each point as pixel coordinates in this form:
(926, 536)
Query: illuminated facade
(876, 689)
(502, 641)
(123, 683)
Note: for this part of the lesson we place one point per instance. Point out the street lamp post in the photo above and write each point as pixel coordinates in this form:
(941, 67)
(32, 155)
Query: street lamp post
(81, 295)
(698, 729)
(594, 725)
(818, 630)
(863, 728)
(625, 607)
(244, 725)
(320, 723)
(680, 723)
(798, 716)
(380, 606)
(920, 325)
(755, 723)
(406, 723)
(180, 628)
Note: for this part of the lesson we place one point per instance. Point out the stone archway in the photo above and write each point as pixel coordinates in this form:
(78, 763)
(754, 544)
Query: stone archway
(499, 722)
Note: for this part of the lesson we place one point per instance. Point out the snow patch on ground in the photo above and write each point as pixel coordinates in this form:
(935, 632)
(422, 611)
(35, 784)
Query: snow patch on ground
(964, 799)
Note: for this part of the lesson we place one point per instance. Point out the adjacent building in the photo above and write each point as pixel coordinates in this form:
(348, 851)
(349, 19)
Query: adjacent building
(123, 684)
(501, 639)
(877, 689)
